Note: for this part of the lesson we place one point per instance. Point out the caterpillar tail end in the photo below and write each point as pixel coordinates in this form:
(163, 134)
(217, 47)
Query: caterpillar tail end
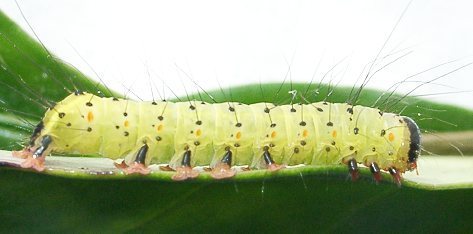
(23, 153)
(35, 159)
(37, 163)
(222, 171)
(184, 173)
(34, 163)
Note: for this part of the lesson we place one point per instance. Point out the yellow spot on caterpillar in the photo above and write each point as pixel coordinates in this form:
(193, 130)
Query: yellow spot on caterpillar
(126, 123)
(160, 127)
(391, 136)
(273, 134)
(198, 132)
(238, 135)
(305, 133)
(334, 133)
(90, 116)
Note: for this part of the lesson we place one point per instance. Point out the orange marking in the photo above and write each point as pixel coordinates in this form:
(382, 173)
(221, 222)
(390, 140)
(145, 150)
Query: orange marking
(160, 127)
(305, 133)
(198, 132)
(334, 133)
(391, 136)
(273, 134)
(126, 123)
(238, 135)
(90, 116)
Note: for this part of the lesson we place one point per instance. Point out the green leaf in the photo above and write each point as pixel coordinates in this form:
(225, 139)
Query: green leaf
(316, 200)
(309, 199)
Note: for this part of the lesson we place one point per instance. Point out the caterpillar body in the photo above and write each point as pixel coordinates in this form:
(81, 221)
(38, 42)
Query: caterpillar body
(223, 135)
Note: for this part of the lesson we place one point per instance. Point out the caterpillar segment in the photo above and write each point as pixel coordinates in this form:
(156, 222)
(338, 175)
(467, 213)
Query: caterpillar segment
(223, 135)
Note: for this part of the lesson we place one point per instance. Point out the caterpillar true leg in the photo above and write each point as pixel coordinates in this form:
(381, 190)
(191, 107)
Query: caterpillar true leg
(272, 166)
(185, 171)
(36, 160)
(396, 175)
(139, 163)
(223, 168)
(353, 169)
(374, 168)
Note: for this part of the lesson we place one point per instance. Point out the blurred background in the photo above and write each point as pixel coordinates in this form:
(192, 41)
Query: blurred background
(243, 42)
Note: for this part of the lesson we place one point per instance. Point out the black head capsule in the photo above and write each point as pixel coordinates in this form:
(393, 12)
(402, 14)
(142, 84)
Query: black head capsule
(415, 141)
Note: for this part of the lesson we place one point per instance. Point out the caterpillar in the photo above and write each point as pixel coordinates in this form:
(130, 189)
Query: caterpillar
(223, 135)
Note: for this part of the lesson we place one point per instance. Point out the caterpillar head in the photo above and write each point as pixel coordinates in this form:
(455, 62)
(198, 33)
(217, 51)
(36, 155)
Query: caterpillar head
(414, 143)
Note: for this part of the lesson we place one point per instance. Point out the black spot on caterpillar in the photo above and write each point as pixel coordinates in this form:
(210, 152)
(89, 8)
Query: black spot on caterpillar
(268, 158)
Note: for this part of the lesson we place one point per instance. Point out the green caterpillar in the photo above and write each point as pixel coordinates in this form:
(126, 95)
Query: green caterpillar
(223, 135)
